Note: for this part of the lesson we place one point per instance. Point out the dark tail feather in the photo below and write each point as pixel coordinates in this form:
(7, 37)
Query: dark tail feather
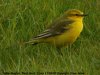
(32, 42)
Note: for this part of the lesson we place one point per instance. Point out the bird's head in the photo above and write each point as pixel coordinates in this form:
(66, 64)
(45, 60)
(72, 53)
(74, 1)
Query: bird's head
(75, 14)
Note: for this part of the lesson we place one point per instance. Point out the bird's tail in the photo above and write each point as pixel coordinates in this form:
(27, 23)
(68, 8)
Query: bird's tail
(33, 42)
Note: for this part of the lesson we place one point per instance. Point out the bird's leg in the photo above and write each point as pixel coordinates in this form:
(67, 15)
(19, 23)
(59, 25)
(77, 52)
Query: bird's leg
(59, 51)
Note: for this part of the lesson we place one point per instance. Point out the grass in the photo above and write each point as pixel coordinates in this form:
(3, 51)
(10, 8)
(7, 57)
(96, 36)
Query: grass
(20, 20)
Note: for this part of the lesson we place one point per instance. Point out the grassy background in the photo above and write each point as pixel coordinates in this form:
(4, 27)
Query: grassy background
(20, 20)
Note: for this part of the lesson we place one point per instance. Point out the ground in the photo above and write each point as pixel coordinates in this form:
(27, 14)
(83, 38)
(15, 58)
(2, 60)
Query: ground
(20, 20)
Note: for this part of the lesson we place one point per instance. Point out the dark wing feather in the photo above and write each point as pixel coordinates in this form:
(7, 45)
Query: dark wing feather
(57, 28)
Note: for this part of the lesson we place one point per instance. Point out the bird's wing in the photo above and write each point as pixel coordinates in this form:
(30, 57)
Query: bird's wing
(57, 28)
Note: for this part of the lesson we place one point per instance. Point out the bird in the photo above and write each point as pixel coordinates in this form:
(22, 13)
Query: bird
(63, 31)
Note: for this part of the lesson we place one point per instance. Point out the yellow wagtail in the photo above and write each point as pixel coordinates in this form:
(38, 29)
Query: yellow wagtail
(63, 31)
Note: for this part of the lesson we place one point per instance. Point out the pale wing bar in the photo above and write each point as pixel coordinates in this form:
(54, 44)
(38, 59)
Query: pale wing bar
(56, 29)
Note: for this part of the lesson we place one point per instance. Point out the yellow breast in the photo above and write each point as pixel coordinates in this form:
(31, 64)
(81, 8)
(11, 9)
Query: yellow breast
(69, 36)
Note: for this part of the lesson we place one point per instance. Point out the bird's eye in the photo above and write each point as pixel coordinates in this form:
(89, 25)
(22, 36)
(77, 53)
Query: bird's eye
(77, 14)
(74, 15)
